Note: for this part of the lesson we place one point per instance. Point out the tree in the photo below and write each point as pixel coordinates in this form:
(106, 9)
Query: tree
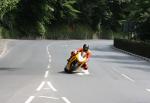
(6, 6)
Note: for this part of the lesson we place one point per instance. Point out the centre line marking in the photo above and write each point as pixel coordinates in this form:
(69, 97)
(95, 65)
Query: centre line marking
(128, 77)
(46, 74)
(29, 100)
(49, 97)
(65, 100)
(40, 86)
(148, 90)
(51, 86)
(49, 56)
(50, 60)
(48, 66)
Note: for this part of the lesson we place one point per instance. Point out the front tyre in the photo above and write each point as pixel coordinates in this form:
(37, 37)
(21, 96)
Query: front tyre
(66, 70)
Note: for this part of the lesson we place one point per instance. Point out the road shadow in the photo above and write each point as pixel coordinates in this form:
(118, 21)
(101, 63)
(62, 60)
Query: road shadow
(117, 57)
(104, 49)
(63, 72)
(7, 69)
(145, 69)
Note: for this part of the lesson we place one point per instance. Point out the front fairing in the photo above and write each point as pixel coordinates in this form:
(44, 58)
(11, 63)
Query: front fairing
(81, 58)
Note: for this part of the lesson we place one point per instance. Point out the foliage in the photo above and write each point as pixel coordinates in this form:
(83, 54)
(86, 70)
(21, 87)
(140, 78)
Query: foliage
(34, 18)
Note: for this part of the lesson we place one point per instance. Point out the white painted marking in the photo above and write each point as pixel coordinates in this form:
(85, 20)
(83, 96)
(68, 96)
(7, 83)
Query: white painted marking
(46, 74)
(47, 49)
(50, 60)
(148, 90)
(51, 86)
(65, 100)
(29, 100)
(48, 66)
(40, 86)
(48, 97)
(49, 56)
(127, 77)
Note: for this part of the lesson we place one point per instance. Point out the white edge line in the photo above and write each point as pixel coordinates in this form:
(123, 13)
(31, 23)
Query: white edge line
(47, 48)
(65, 100)
(148, 90)
(51, 86)
(48, 97)
(40, 86)
(127, 77)
(46, 74)
(29, 100)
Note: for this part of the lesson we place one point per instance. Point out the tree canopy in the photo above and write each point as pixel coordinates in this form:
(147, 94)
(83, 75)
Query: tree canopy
(33, 18)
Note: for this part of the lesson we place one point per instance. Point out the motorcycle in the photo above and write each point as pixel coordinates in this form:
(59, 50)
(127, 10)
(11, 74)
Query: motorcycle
(75, 62)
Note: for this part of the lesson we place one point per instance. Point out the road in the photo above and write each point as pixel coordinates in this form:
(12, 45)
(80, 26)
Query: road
(32, 72)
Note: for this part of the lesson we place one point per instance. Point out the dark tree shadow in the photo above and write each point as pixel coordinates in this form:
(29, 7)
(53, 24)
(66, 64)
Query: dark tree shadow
(104, 49)
(131, 62)
(117, 57)
(7, 69)
(146, 69)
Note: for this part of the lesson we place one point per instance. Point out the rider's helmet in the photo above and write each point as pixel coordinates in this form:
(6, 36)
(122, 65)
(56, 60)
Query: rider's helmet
(85, 47)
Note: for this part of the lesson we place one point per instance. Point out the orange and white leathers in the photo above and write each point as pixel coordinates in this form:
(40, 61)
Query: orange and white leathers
(87, 54)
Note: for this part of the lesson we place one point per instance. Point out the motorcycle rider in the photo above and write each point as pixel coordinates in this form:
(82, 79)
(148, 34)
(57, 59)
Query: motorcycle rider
(88, 54)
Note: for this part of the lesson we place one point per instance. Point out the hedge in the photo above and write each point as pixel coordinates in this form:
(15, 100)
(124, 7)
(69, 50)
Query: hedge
(136, 47)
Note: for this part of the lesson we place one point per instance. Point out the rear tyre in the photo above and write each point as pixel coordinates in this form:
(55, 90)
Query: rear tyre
(65, 69)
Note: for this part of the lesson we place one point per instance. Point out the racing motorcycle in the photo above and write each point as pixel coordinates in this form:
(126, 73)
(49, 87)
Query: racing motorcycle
(75, 62)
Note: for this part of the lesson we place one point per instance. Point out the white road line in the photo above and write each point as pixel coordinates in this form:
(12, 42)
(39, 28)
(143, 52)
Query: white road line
(148, 90)
(127, 77)
(49, 56)
(46, 74)
(29, 100)
(50, 60)
(48, 66)
(40, 86)
(65, 100)
(48, 97)
(47, 48)
(51, 86)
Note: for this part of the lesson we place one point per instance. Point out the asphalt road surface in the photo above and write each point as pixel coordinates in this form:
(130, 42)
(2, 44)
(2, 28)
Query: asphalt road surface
(32, 72)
